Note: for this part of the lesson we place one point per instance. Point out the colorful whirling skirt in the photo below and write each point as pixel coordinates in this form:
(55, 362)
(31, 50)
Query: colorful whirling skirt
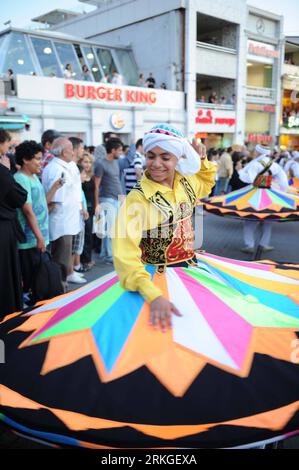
(253, 203)
(86, 369)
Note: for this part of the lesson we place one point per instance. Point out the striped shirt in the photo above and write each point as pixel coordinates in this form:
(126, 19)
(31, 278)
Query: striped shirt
(130, 173)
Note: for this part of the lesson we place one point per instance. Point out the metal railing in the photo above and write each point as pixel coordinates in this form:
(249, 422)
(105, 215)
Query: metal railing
(215, 47)
(225, 107)
(260, 93)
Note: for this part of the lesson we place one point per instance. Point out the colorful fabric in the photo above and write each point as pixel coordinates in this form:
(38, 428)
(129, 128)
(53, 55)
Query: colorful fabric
(252, 203)
(37, 198)
(145, 209)
(86, 369)
(173, 141)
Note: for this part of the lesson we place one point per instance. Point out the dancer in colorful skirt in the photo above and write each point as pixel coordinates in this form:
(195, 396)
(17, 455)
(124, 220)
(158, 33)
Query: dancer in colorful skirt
(220, 369)
(264, 200)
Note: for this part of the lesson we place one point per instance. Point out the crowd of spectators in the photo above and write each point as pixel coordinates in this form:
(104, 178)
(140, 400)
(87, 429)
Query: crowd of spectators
(214, 99)
(231, 160)
(52, 194)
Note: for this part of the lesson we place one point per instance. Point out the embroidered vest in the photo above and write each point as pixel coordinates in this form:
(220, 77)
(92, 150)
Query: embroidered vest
(171, 241)
(262, 180)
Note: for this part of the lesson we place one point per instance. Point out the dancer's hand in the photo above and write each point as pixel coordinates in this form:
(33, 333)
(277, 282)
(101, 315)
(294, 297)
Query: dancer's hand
(200, 149)
(161, 311)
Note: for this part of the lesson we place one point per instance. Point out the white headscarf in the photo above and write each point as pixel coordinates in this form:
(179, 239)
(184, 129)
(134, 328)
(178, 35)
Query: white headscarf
(172, 141)
(262, 150)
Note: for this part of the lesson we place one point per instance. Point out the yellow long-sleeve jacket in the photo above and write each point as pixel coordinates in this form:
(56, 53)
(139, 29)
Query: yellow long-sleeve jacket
(139, 215)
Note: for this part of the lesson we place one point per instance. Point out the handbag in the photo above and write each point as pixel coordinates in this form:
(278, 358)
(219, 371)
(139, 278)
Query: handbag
(99, 225)
(46, 280)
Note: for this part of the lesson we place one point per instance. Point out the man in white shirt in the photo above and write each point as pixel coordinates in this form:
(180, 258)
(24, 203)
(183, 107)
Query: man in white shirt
(248, 175)
(65, 207)
(292, 166)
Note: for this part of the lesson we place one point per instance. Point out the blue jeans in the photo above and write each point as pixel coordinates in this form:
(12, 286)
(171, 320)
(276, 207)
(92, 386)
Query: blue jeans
(110, 207)
(221, 186)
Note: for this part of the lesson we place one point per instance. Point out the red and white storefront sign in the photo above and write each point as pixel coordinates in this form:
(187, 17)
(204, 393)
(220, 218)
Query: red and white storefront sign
(259, 138)
(215, 121)
(80, 92)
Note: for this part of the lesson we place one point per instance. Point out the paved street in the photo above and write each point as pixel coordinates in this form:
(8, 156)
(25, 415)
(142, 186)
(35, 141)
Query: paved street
(221, 237)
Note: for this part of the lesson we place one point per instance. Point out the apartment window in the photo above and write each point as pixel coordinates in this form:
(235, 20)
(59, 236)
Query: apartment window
(106, 61)
(17, 55)
(92, 63)
(67, 55)
(46, 56)
(128, 66)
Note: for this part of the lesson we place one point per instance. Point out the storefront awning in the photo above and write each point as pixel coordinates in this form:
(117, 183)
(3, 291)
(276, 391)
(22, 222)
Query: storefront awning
(14, 121)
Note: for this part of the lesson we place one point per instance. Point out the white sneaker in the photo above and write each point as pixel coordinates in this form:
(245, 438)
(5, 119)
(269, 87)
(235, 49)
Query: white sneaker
(76, 279)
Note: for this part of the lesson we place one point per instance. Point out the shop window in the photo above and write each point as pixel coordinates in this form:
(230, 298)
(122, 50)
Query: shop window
(128, 66)
(85, 69)
(17, 55)
(67, 55)
(92, 62)
(107, 62)
(46, 56)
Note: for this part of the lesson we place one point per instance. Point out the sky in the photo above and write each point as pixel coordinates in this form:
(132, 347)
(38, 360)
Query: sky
(20, 12)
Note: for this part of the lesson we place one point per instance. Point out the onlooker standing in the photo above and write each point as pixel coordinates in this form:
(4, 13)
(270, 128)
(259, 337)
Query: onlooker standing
(88, 187)
(68, 71)
(48, 138)
(150, 81)
(78, 148)
(225, 171)
(108, 188)
(11, 79)
(141, 80)
(64, 217)
(117, 78)
(86, 75)
(12, 196)
(213, 98)
(78, 239)
(33, 216)
(100, 150)
(135, 170)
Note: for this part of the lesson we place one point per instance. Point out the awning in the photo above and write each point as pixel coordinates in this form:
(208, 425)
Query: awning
(14, 121)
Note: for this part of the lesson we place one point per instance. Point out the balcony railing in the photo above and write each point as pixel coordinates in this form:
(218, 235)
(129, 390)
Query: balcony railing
(215, 47)
(224, 107)
(260, 94)
(289, 69)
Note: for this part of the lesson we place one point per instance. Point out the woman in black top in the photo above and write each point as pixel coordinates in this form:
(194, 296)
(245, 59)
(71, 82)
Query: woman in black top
(235, 183)
(12, 196)
(88, 188)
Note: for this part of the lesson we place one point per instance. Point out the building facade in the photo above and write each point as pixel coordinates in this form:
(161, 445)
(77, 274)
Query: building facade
(289, 131)
(221, 62)
(224, 55)
(42, 95)
(265, 55)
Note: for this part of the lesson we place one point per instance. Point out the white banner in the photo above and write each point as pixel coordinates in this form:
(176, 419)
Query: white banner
(75, 91)
(215, 121)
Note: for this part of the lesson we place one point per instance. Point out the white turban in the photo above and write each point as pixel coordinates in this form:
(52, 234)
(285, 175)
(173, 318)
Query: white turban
(262, 150)
(172, 141)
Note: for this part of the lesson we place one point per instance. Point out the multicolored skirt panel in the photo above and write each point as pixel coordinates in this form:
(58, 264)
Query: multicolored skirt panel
(86, 369)
(252, 203)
